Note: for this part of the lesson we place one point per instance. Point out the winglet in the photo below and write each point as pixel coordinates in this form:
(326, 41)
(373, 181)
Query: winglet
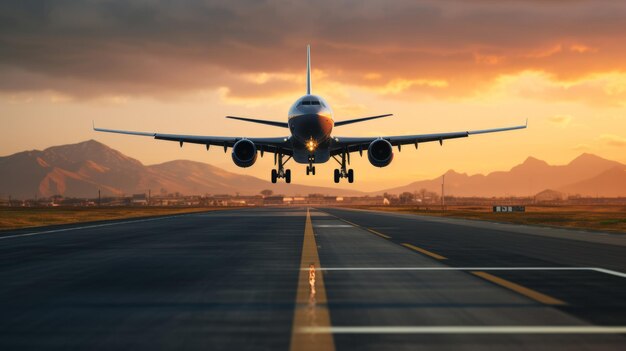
(308, 69)
(526, 122)
(93, 124)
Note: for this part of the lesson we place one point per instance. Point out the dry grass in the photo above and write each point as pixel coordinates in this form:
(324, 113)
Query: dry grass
(22, 217)
(601, 217)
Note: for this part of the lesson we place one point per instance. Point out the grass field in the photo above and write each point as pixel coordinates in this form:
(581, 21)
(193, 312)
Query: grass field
(605, 218)
(22, 217)
(600, 217)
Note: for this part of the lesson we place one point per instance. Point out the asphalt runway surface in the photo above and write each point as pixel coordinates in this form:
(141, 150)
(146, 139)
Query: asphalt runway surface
(319, 279)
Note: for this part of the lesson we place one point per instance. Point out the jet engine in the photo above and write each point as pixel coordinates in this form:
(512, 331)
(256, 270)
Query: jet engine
(380, 153)
(244, 153)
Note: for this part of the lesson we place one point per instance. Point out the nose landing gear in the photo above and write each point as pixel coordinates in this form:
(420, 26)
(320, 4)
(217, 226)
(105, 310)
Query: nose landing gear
(310, 169)
(281, 172)
(343, 172)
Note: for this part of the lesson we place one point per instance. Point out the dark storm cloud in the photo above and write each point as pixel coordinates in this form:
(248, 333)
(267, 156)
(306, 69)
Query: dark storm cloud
(89, 48)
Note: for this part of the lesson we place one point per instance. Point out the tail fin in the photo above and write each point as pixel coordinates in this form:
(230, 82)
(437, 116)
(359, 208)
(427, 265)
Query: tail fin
(308, 69)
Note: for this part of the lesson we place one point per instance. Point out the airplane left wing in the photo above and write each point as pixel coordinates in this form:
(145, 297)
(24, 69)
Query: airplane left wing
(276, 144)
(350, 144)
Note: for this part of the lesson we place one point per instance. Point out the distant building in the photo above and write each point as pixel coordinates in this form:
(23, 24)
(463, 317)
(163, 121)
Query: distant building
(549, 195)
(139, 200)
(274, 200)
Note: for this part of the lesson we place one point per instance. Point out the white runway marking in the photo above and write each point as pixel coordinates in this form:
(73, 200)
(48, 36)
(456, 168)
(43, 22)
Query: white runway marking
(539, 329)
(88, 227)
(596, 269)
(333, 226)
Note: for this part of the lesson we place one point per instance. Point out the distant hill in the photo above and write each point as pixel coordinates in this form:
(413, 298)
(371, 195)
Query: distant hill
(609, 183)
(79, 170)
(587, 175)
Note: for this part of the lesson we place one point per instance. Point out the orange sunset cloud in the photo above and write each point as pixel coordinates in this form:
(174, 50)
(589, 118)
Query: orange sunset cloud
(437, 65)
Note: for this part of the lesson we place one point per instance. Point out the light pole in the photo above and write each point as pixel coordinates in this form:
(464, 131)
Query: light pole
(443, 201)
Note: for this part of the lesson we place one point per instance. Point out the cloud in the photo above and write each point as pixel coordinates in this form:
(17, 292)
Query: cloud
(156, 47)
(582, 147)
(560, 120)
(613, 140)
(606, 89)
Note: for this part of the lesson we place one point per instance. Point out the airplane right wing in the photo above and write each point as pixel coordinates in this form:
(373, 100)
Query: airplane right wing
(272, 144)
(351, 144)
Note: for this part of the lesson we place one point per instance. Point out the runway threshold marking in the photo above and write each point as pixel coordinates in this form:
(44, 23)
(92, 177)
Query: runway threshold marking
(486, 329)
(424, 251)
(522, 290)
(311, 303)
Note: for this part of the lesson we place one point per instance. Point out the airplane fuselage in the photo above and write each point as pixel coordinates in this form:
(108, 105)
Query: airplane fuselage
(310, 123)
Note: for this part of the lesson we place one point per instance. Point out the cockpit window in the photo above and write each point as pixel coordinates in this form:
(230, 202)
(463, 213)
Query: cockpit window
(311, 102)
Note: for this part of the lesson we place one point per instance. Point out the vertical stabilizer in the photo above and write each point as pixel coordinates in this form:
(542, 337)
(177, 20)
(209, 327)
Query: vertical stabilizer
(308, 69)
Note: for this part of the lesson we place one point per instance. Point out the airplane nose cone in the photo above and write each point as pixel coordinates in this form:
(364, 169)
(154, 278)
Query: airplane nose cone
(314, 127)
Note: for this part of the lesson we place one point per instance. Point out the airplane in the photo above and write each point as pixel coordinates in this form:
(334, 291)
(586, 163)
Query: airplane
(310, 123)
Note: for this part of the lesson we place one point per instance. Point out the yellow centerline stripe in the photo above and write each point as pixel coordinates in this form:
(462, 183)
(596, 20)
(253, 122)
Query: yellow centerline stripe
(425, 252)
(311, 303)
(522, 290)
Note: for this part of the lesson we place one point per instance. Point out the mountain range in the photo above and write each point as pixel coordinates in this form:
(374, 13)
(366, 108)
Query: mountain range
(80, 170)
(586, 175)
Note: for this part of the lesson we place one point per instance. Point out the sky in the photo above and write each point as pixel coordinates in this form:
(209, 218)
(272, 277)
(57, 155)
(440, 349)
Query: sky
(444, 65)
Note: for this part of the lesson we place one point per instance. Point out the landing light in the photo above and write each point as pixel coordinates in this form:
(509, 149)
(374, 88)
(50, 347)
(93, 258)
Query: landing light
(311, 145)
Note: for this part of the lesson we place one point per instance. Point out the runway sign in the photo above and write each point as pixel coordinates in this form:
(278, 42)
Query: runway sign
(509, 208)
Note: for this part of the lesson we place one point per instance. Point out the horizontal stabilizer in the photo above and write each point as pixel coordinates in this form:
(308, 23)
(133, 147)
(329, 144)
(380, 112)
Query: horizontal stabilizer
(356, 120)
(261, 121)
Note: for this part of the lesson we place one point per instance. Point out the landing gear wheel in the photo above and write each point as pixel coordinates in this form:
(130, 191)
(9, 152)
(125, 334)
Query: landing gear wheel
(337, 176)
(313, 170)
(281, 172)
(307, 170)
(350, 176)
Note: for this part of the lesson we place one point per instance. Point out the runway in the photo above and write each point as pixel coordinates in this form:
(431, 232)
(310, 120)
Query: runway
(318, 278)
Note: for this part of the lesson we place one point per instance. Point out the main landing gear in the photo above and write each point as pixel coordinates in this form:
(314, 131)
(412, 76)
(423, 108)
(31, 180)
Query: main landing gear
(310, 169)
(281, 172)
(343, 172)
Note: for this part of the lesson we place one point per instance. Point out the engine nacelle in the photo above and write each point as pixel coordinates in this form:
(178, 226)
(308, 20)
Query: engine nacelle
(380, 153)
(244, 153)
